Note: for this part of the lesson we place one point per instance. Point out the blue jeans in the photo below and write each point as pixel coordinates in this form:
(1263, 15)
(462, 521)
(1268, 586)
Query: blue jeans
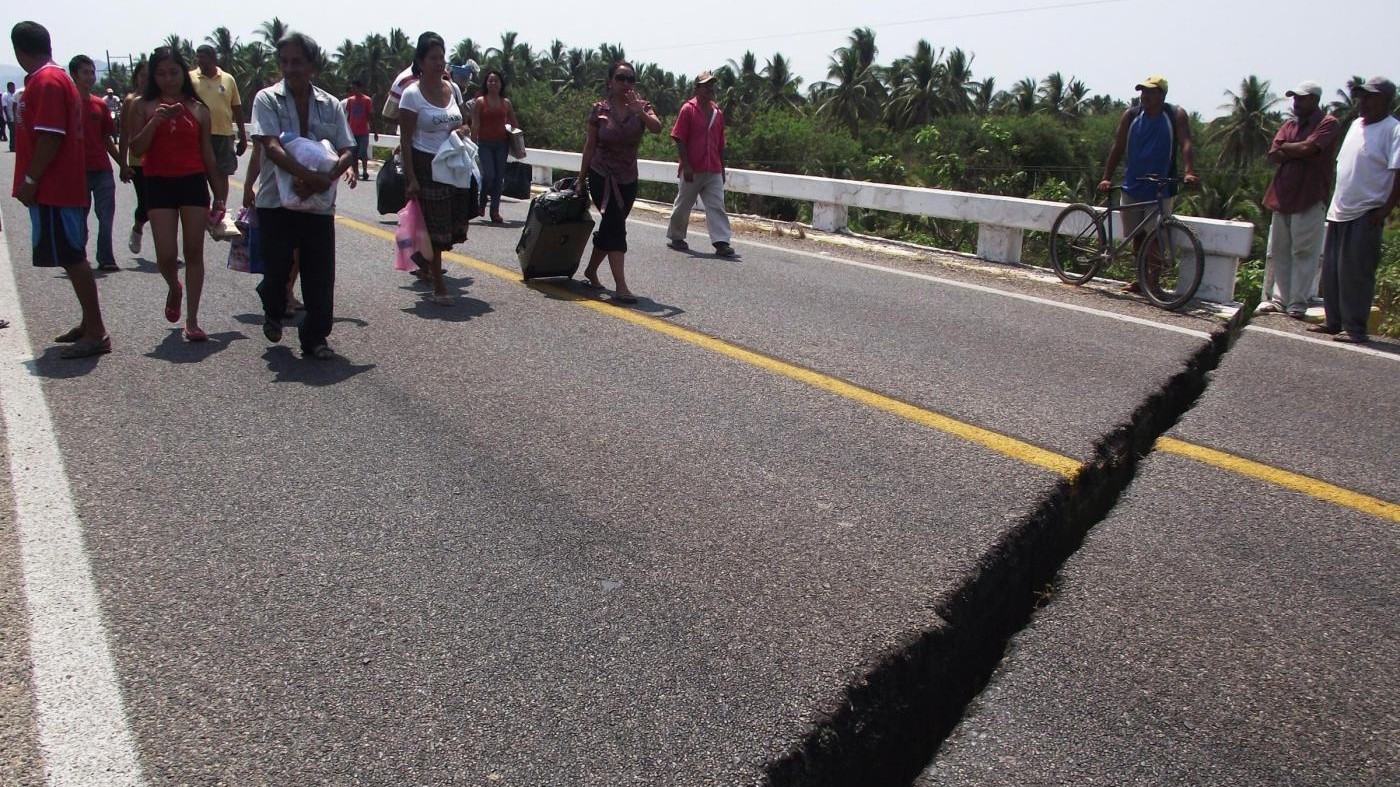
(493, 173)
(104, 202)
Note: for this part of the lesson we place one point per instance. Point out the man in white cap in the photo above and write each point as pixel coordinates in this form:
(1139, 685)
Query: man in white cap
(699, 136)
(1297, 195)
(1367, 191)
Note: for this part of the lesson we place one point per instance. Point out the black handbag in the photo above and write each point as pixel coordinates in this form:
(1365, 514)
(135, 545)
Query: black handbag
(390, 186)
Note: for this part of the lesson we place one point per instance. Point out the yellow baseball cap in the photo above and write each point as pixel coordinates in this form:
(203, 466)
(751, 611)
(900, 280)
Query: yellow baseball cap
(1153, 83)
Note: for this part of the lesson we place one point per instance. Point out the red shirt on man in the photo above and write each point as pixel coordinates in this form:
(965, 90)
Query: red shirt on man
(357, 111)
(98, 127)
(51, 104)
(703, 137)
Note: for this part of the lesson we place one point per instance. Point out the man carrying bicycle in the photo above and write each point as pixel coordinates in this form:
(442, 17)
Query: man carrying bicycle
(1149, 134)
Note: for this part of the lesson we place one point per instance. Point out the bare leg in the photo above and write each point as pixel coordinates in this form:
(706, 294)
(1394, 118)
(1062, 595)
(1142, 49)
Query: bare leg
(615, 259)
(193, 221)
(594, 260)
(164, 233)
(85, 287)
(292, 302)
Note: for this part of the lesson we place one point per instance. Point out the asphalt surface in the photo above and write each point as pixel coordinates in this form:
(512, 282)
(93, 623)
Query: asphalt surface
(519, 541)
(1217, 629)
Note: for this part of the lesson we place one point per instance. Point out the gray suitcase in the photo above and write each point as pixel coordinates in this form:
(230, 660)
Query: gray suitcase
(555, 235)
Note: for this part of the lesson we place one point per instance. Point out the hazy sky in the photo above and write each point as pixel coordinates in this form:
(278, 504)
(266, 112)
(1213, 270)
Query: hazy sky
(1204, 47)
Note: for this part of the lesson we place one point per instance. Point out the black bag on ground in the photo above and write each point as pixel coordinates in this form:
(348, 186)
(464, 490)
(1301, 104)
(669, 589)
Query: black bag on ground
(517, 181)
(556, 233)
(390, 187)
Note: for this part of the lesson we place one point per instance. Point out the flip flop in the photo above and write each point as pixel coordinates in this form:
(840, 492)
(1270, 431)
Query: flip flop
(173, 314)
(87, 347)
(195, 335)
(628, 299)
(591, 285)
(70, 336)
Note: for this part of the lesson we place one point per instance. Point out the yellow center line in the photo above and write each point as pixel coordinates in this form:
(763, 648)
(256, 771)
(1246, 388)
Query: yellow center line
(1002, 444)
(1273, 475)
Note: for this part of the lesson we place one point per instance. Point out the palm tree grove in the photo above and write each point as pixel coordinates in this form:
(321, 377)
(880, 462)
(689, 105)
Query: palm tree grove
(921, 118)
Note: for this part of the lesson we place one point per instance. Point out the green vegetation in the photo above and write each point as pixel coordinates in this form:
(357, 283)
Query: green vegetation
(922, 120)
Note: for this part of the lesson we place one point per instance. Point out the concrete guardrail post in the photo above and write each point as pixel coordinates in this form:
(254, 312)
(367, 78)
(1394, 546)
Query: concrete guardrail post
(541, 175)
(828, 217)
(999, 244)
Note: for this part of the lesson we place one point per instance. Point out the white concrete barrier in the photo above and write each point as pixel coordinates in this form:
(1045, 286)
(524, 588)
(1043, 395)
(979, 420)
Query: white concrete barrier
(1001, 220)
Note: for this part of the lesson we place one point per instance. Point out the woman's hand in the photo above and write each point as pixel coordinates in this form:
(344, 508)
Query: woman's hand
(410, 190)
(634, 101)
(216, 212)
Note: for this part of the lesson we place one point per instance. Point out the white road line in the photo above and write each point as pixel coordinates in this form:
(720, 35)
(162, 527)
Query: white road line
(1326, 342)
(83, 730)
(966, 286)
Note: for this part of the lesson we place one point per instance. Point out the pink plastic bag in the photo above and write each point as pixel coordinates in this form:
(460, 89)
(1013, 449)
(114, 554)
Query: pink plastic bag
(412, 247)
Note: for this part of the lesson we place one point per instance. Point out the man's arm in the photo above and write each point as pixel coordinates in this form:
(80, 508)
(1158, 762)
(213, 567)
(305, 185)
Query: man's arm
(1188, 148)
(46, 148)
(1115, 153)
(242, 130)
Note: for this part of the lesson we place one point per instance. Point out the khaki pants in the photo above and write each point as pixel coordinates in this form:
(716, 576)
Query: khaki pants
(709, 187)
(1295, 247)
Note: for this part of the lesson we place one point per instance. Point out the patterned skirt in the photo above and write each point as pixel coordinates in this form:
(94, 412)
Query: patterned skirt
(446, 208)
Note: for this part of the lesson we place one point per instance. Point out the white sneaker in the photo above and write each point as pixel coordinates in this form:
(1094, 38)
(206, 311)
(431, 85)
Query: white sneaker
(1267, 307)
(133, 241)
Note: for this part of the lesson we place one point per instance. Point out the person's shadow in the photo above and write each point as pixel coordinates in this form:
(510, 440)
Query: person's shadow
(51, 366)
(561, 289)
(288, 367)
(462, 309)
(176, 350)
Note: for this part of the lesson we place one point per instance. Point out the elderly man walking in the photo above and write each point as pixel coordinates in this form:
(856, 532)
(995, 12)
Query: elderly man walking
(1298, 194)
(1367, 191)
(218, 90)
(699, 136)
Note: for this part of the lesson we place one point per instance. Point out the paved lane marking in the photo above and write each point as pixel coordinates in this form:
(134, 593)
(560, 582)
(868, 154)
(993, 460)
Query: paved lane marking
(1002, 444)
(1273, 475)
(83, 730)
(1356, 348)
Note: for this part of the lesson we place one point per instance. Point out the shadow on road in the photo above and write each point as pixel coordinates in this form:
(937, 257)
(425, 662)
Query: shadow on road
(51, 367)
(290, 367)
(560, 289)
(176, 350)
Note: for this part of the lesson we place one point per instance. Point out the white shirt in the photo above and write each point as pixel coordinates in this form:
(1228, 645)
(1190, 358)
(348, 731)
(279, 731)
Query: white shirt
(434, 122)
(1366, 166)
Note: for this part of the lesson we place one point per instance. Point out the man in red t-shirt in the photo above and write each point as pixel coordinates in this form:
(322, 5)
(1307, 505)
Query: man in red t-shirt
(699, 136)
(51, 180)
(99, 151)
(358, 109)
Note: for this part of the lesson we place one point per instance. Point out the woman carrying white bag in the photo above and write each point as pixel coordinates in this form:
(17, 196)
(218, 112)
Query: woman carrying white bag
(431, 111)
(309, 114)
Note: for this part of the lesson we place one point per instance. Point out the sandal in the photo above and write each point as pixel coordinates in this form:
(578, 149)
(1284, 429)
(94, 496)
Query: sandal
(625, 297)
(589, 284)
(87, 347)
(172, 313)
(68, 337)
(195, 335)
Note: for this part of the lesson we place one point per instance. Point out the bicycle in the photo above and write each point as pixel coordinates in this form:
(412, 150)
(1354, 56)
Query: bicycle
(1170, 260)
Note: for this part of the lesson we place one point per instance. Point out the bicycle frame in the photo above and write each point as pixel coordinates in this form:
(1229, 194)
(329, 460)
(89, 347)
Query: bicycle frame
(1155, 216)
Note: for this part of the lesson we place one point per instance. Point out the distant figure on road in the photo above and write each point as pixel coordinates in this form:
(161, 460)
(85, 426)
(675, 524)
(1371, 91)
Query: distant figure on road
(609, 171)
(1149, 134)
(98, 153)
(1298, 194)
(51, 180)
(1367, 191)
(358, 109)
(9, 105)
(699, 136)
(218, 90)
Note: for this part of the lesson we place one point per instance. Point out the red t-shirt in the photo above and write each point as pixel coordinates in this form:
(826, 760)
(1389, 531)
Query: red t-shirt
(51, 104)
(98, 127)
(357, 111)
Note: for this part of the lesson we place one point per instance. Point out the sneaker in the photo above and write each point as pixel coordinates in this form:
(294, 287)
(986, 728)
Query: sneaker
(321, 352)
(1267, 307)
(724, 250)
(1324, 328)
(110, 265)
(272, 329)
(1351, 338)
(133, 241)
(679, 245)
(1298, 314)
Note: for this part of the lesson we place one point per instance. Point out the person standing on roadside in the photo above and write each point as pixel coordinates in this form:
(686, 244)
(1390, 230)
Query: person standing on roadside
(219, 92)
(180, 168)
(98, 153)
(297, 107)
(429, 110)
(1149, 136)
(491, 112)
(699, 136)
(609, 171)
(9, 106)
(133, 172)
(51, 180)
(358, 109)
(1297, 195)
(1367, 191)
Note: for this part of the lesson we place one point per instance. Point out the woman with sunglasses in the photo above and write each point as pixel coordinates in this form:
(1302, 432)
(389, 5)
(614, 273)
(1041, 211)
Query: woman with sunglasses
(609, 171)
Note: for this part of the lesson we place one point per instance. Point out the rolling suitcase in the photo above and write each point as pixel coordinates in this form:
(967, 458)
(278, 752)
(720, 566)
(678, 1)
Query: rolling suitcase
(556, 233)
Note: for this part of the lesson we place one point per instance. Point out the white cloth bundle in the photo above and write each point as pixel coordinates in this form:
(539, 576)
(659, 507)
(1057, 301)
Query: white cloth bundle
(315, 156)
(456, 162)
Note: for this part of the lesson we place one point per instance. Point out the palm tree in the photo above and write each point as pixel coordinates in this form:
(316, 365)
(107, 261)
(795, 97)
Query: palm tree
(852, 93)
(984, 95)
(182, 45)
(747, 86)
(1022, 97)
(272, 31)
(862, 40)
(955, 83)
(503, 57)
(780, 87)
(1345, 107)
(224, 44)
(1245, 134)
(465, 50)
(915, 80)
(1052, 94)
(255, 68)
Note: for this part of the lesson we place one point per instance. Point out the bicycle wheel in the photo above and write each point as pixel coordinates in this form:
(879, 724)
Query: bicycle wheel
(1170, 264)
(1078, 244)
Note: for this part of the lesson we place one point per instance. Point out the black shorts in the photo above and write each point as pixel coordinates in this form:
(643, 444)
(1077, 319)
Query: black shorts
(187, 191)
(59, 236)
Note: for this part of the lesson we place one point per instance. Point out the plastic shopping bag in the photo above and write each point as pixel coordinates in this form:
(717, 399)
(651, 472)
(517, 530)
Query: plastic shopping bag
(315, 156)
(239, 252)
(412, 246)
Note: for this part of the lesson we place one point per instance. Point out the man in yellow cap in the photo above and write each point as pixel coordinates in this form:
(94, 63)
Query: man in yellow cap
(1149, 135)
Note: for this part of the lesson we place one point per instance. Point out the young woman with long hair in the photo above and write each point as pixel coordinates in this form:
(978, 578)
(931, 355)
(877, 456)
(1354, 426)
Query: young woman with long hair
(491, 112)
(180, 169)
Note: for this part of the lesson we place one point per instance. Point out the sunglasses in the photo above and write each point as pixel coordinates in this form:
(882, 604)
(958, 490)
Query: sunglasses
(632, 78)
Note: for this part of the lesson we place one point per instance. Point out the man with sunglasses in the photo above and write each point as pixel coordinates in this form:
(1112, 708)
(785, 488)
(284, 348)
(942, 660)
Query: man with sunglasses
(699, 136)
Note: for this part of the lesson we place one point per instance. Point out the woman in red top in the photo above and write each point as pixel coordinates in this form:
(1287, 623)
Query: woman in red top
(490, 114)
(179, 168)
